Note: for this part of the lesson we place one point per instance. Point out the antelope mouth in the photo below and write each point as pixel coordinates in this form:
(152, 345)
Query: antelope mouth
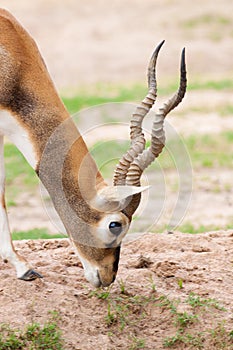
(97, 281)
(103, 283)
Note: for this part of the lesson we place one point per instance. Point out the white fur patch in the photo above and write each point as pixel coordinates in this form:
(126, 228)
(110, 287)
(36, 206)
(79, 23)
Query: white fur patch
(6, 249)
(103, 233)
(18, 135)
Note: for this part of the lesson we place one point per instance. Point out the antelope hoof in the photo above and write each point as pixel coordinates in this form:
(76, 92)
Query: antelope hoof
(30, 275)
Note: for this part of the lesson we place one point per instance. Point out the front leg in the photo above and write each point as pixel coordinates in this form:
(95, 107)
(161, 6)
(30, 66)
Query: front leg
(7, 251)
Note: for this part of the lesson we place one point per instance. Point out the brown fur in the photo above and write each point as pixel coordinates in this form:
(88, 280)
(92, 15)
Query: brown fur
(27, 91)
(25, 94)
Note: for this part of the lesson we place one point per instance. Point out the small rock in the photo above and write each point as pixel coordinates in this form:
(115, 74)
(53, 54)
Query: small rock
(166, 269)
(200, 249)
(142, 262)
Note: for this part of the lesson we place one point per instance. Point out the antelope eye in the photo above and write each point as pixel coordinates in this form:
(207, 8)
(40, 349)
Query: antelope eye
(115, 227)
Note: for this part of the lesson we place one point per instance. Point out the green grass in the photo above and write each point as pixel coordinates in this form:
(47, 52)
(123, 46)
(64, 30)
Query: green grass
(192, 341)
(218, 85)
(104, 93)
(224, 109)
(215, 27)
(34, 337)
(189, 227)
(36, 233)
(127, 313)
(19, 173)
(206, 151)
(183, 321)
(211, 150)
(137, 343)
(196, 301)
(207, 19)
(17, 167)
(106, 155)
(107, 93)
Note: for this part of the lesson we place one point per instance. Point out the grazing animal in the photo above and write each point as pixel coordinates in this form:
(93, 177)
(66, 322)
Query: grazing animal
(96, 216)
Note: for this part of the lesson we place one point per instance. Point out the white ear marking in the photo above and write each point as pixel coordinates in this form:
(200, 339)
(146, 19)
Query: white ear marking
(112, 198)
(118, 193)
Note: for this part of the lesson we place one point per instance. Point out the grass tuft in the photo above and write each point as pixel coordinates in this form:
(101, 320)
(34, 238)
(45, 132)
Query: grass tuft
(107, 93)
(34, 337)
(36, 233)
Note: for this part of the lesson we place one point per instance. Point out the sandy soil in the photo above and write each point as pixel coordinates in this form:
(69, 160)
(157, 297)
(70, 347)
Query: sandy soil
(87, 42)
(202, 262)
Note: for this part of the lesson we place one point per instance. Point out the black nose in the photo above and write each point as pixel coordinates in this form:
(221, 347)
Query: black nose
(104, 283)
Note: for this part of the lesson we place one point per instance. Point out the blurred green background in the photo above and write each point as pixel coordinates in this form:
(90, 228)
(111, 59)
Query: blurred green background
(97, 52)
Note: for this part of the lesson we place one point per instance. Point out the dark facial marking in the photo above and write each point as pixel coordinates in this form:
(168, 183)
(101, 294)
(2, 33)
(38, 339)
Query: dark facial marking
(116, 258)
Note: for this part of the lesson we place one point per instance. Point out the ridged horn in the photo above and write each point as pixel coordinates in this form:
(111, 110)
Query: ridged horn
(136, 135)
(143, 160)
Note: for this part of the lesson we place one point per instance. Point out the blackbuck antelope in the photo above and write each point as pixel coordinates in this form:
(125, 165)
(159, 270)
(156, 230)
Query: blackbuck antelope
(96, 216)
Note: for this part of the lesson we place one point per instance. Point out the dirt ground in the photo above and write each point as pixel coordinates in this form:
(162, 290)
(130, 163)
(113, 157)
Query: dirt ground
(151, 267)
(96, 41)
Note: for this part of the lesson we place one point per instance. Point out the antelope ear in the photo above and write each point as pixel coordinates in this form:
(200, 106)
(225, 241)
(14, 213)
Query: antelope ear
(119, 193)
(113, 198)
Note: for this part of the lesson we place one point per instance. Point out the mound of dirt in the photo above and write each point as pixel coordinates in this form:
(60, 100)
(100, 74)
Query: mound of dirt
(156, 271)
